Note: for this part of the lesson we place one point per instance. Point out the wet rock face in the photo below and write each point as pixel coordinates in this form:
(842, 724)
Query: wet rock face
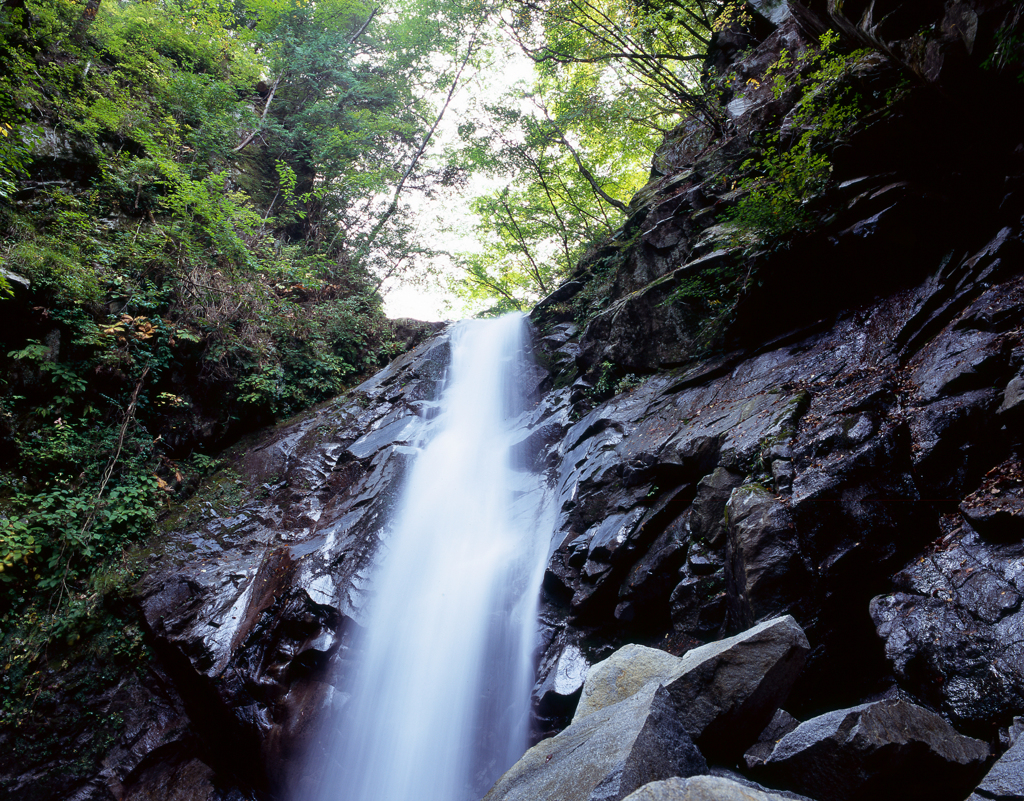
(799, 479)
(260, 577)
(851, 455)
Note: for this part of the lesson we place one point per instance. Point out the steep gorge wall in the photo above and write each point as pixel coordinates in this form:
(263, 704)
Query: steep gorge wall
(849, 408)
(843, 445)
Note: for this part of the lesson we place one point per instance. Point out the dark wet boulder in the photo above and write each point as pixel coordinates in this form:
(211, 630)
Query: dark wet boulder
(878, 751)
(950, 442)
(411, 332)
(765, 571)
(560, 675)
(606, 755)
(996, 509)
(699, 607)
(724, 692)
(641, 333)
(645, 592)
(178, 778)
(952, 633)
(707, 514)
(948, 656)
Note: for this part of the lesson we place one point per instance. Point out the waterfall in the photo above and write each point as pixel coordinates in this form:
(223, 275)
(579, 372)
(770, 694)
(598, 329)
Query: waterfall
(439, 700)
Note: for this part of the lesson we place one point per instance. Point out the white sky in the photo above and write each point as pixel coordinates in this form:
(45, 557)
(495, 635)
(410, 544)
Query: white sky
(420, 303)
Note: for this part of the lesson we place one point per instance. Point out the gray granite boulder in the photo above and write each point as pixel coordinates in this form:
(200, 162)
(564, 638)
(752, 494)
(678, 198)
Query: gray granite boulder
(704, 788)
(624, 673)
(725, 692)
(606, 755)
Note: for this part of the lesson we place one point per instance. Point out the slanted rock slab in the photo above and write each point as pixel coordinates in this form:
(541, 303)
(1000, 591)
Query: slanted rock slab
(1006, 779)
(725, 692)
(624, 673)
(703, 788)
(781, 725)
(606, 755)
(873, 752)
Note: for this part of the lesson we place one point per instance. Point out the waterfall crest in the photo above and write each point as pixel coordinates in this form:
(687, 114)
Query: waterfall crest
(439, 699)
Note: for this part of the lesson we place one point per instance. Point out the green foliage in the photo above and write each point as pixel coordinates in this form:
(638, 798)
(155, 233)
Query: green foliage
(549, 210)
(611, 381)
(711, 295)
(1008, 53)
(785, 180)
(645, 55)
(794, 167)
(735, 14)
(190, 186)
(597, 287)
(567, 151)
(604, 386)
(14, 152)
(249, 257)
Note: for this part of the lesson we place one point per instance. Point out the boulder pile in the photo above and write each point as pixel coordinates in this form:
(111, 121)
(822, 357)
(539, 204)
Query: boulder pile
(646, 721)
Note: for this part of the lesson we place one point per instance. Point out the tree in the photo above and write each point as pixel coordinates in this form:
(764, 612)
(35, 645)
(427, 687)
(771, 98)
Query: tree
(552, 199)
(611, 78)
(655, 51)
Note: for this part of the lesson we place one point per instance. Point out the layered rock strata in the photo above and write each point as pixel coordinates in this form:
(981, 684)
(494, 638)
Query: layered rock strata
(845, 450)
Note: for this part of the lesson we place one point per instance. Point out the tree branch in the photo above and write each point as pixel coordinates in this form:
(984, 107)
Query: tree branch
(263, 117)
(393, 206)
(583, 169)
(518, 236)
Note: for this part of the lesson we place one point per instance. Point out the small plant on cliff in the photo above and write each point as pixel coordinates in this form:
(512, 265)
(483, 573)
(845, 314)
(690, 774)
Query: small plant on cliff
(1008, 53)
(733, 14)
(604, 387)
(782, 179)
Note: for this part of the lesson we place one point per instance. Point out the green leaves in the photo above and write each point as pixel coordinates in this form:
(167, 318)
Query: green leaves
(571, 149)
(650, 53)
(782, 179)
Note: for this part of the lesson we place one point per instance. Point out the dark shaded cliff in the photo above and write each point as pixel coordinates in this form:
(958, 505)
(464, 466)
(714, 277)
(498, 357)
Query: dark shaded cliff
(761, 398)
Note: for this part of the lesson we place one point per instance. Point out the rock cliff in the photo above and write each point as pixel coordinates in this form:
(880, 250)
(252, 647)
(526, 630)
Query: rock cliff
(824, 423)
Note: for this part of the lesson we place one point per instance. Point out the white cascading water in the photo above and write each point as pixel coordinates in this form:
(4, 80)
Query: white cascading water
(439, 701)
